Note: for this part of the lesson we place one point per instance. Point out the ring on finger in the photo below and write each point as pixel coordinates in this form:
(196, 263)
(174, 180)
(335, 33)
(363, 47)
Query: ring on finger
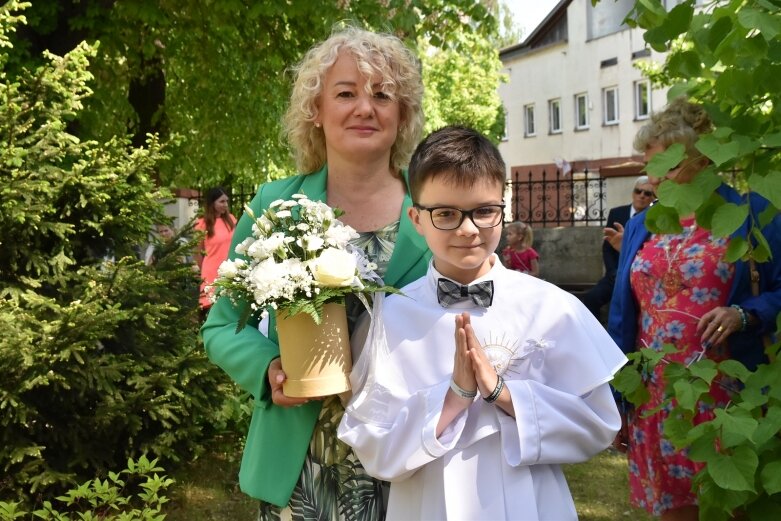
(720, 329)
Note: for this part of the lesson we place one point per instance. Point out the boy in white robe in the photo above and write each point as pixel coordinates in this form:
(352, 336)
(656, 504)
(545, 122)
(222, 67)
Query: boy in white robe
(478, 381)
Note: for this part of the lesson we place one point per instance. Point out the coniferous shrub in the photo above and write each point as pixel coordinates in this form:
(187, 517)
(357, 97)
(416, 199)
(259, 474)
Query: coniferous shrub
(99, 353)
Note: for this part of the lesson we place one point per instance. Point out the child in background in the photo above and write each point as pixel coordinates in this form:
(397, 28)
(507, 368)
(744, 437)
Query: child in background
(538, 359)
(519, 255)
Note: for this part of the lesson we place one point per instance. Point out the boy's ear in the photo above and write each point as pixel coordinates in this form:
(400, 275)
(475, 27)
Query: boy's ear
(414, 216)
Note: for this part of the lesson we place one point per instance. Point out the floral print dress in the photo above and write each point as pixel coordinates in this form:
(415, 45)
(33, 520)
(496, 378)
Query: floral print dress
(675, 278)
(333, 484)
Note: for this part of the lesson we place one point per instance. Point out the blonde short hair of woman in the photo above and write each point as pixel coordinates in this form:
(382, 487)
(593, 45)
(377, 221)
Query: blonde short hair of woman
(377, 54)
(681, 121)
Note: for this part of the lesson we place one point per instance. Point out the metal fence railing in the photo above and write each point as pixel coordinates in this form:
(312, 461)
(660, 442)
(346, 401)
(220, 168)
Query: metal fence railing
(541, 200)
(544, 200)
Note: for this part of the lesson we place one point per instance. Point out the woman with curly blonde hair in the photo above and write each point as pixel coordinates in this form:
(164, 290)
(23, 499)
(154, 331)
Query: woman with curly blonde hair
(354, 119)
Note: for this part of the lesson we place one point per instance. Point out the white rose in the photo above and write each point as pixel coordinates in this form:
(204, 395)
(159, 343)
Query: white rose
(334, 268)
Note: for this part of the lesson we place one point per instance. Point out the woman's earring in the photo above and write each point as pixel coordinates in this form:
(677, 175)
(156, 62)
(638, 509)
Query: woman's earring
(317, 124)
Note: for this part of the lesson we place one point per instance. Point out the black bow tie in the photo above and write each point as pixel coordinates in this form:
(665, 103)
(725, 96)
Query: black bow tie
(449, 292)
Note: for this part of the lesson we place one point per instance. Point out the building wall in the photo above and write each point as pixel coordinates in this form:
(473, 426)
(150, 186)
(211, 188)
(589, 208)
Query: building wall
(563, 70)
(557, 246)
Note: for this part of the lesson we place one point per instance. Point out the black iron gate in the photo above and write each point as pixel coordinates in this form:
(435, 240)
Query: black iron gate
(572, 199)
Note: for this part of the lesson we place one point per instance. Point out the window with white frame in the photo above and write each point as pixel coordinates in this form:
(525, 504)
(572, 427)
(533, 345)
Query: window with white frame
(610, 105)
(554, 115)
(528, 120)
(581, 111)
(642, 99)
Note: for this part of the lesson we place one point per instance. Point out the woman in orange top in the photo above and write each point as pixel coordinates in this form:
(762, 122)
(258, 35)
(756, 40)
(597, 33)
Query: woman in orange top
(218, 224)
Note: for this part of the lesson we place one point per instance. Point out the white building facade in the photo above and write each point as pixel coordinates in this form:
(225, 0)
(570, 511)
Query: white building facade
(575, 97)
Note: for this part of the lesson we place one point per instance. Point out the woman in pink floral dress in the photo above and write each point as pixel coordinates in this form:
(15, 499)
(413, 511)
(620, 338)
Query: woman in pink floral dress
(678, 289)
(676, 279)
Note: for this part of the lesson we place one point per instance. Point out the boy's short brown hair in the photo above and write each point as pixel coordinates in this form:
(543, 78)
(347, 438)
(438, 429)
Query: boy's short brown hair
(462, 155)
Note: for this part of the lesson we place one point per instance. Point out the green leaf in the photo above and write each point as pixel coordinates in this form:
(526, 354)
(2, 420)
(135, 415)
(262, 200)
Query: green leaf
(738, 247)
(734, 369)
(728, 218)
(689, 393)
(675, 371)
(688, 197)
(769, 426)
(737, 425)
(734, 471)
(767, 215)
(718, 32)
(663, 219)
(746, 144)
(771, 477)
(752, 397)
(661, 163)
(761, 251)
(772, 140)
(704, 369)
(716, 151)
(706, 210)
(701, 441)
(676, 430)
(768, 186)
(768, 25)
(722, 132)
(735, 85)
(680, 89)
(685, 64)
(627, 380)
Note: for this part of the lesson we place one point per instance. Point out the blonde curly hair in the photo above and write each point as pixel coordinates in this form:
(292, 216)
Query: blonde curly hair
(378, 55)
(681, 121)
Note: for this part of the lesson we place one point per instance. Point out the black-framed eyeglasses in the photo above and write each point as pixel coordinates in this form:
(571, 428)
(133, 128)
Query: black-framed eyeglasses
(647, 193)
(449, 218)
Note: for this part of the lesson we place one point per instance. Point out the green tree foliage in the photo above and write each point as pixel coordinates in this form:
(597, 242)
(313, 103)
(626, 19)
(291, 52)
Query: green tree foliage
(99, 357)
(455, 80)
(727, 55)
(213, 76)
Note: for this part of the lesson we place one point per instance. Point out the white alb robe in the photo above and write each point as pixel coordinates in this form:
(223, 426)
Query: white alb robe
(556, 360)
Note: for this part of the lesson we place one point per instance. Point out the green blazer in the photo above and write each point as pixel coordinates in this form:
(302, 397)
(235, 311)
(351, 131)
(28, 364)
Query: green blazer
(278, 437)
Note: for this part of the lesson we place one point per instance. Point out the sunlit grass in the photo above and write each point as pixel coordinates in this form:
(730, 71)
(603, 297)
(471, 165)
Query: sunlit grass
(208, 490)
(601, 490)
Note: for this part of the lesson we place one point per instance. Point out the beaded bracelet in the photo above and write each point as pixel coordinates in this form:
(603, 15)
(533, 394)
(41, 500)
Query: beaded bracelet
(743, 316)
(497, 391)
(463, 393)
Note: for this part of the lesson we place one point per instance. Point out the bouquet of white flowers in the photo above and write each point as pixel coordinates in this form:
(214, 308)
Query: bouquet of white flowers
(298, 258)
(299, 261)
